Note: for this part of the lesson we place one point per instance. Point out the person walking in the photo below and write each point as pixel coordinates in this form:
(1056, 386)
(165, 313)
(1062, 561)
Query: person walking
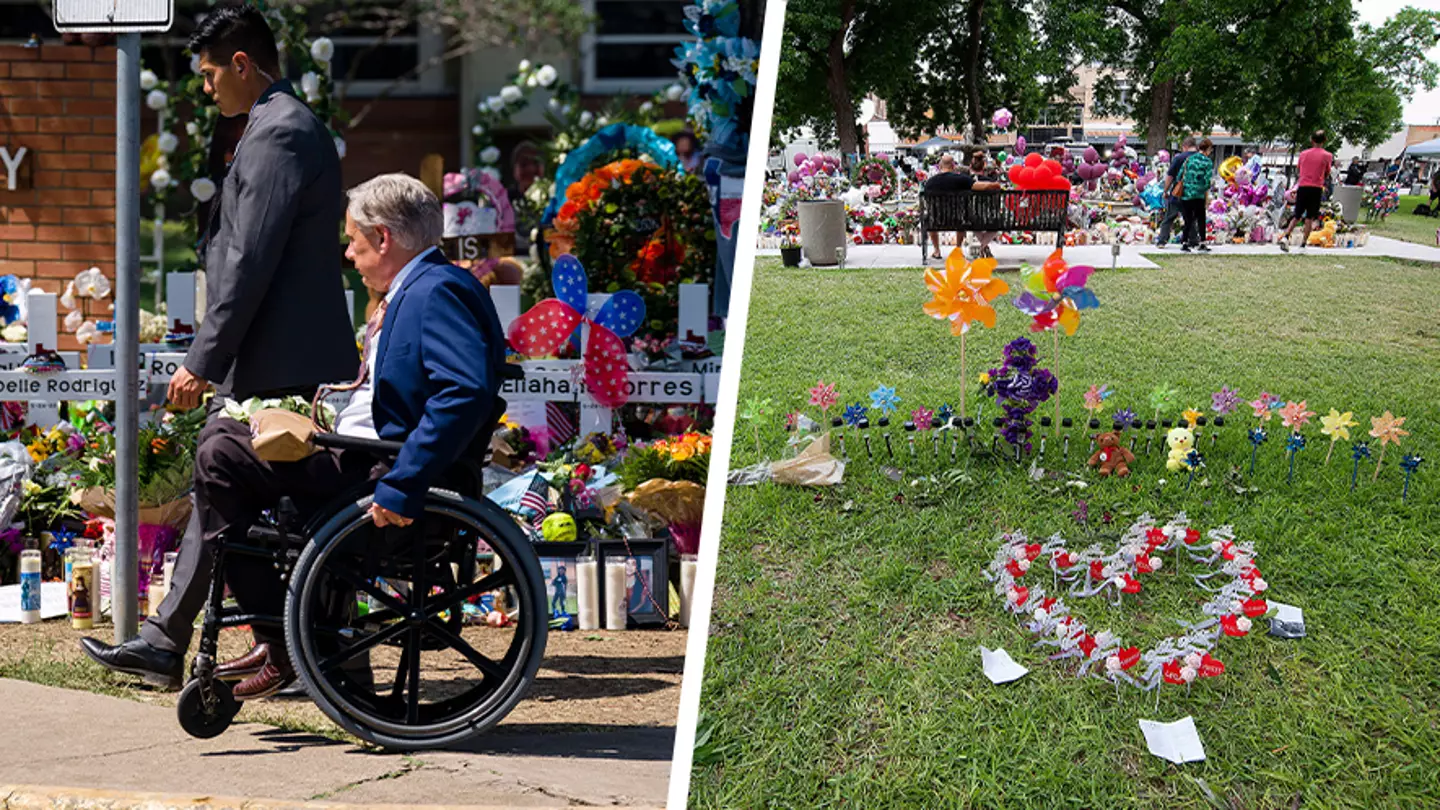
(1315, 164)
(1196, 176)
(1354, 173)
(1173, 192)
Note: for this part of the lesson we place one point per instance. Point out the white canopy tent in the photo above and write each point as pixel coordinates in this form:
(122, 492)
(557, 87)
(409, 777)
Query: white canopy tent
(1428, 149)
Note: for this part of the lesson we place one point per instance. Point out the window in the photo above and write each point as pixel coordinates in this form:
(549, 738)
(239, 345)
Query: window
(632, 44)
(357, 36)
(21, 18)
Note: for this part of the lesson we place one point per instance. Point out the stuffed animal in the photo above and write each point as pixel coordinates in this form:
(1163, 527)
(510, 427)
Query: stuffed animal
(1325, 237)
(1111, 456)
(1181, 442)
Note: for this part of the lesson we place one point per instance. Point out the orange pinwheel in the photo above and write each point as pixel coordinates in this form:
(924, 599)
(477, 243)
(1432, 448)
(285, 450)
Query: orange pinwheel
(963, 292)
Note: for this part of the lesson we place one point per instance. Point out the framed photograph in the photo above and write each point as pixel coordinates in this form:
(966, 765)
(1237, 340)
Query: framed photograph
(557, 564)
(647, 579)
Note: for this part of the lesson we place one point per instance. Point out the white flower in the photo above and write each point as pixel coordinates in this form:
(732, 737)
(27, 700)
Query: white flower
(1023, 565)
(560, 158)
(202, 189)
(192, 129)
(546, 75)
(86, 333)
(1193, 660)
(601, 121)
(1156, 562)
(477, 130)
(1187, 674)
(160, 179)
(92, 283)
(322, 50)
(1104, 638)
(1235, 606)
(1112, 664)
(156, 100)
(14, 333)
(511, 94)
(73, 320)
(340, 146)
(489, 154)
(554, 103)
(1216, 546)
(524, 65)
(1041, 614)
(67, 298)
(148, 80)
(646, 108)
(495, 103)
(674, 92)
(310, 85)
(1259, 585)
(195, 63)
(586, 118)
(1018, 553)
(1243, 623)
(1118, 582)
(531, 81)
(167, 142)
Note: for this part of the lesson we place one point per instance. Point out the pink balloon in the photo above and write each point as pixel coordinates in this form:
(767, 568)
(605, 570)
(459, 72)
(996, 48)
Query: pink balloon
(794, 177)
(807, 170)
(1090, 155)
(800, 158)
(1020, 144)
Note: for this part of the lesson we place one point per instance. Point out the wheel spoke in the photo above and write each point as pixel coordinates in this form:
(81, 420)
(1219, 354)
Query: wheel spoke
(450, 599)
(460, 645)
(362, 583)
(412, 701)
(400, 673)
(369, 642)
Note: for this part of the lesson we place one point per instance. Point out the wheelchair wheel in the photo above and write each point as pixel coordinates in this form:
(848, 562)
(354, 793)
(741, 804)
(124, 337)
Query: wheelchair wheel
(410, 673)
(204, 718)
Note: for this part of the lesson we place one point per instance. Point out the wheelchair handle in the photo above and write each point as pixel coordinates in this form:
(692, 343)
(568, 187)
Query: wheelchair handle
(375, 447)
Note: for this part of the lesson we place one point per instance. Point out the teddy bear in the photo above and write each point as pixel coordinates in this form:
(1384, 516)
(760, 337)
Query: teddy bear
(1181, 442)
(1325, 237)
(1111, 455)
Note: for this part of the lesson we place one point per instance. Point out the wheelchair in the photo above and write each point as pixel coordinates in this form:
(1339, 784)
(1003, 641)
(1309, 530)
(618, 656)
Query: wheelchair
(409, 673)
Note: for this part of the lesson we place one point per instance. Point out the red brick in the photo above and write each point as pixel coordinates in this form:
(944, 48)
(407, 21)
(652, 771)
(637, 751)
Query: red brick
(105, 198)
(65, 89)
(17, 215)
(34, 106)
(102, 236)
(18, 268)
(16, 232)
(61, 161)
(67, 126)
(37, 70)
(14, 89)
(90, 180)
(41, 144)
(19, 53)
(72, 53)
(89, 216)
(105, 54)
(104, 90)
(65, 270)
(17, 123)
(56, 233)
(89, 143)
(66, 196)
(4, 70)
(103, 162)
(87, 106)
(49, 215)
(90, 252)
(77, 70)
(104, 126)
(34, 250)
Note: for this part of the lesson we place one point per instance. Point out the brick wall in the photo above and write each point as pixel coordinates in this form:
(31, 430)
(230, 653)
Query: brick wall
(58, 101)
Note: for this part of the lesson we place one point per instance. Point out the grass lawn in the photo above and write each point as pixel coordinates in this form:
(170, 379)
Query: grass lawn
(1404, 225)
(843, 667)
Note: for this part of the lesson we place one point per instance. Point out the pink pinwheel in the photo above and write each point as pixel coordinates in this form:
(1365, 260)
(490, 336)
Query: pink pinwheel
(921, 417)
(1224, 401)
(549, 324)
(1294, 415)
(1265, 406)
(823, 396)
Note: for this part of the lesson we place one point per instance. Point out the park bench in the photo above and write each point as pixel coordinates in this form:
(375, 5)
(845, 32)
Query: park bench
(993, 211)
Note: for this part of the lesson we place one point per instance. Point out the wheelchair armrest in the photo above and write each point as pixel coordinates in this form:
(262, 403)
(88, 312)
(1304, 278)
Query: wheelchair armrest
(375, 447)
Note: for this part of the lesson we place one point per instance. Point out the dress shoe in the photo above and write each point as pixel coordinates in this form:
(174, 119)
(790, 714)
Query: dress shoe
(138, 657)
(246, 665)
(274, 676)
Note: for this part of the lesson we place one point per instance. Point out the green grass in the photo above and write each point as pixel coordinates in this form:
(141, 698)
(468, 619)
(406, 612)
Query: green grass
(843, 667)
(1406, 226)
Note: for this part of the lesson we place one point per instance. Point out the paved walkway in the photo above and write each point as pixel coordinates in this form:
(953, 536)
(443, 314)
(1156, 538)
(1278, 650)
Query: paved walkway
(67, 737)
(1130, 255)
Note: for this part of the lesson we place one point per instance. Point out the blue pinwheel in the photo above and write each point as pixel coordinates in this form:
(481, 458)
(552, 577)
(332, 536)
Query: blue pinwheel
(854, 414)
(1360, 451)
(884, 400)
(9, 300)
(1257, 438)
(1194, 461)
(946, 413)
(1293, 445)
(1410, 463)
(546, 327)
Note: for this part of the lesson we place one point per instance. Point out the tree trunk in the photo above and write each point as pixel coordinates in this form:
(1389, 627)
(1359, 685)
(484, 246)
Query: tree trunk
(973, 15)
(1162, 103)
(838, 86)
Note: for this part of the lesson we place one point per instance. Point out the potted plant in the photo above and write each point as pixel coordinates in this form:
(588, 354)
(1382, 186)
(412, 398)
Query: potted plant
(790, 250)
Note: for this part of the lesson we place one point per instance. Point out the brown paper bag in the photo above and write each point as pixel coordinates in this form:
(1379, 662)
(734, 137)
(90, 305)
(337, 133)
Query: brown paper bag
(101, 503)
(281, 435)
(814, 467)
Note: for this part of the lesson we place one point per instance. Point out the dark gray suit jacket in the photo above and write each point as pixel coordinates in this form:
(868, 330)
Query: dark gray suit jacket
(275, 317)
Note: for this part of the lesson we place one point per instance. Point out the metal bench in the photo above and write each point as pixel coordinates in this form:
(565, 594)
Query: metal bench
(993, 211)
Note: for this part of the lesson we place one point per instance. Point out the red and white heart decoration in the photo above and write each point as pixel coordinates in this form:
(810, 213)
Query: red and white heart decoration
(1179, 659)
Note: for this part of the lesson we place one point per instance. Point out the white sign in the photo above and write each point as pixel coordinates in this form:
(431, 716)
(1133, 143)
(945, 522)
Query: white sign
(559, 386)
(13, 354)
(62, 386)
(114, 16)
(158, 362)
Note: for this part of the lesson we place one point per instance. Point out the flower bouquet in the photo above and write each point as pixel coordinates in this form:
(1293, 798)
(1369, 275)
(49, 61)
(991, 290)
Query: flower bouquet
(667, 480)
(476, 204)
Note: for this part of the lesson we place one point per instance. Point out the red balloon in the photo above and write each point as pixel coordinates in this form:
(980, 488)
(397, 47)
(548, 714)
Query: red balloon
(1033, 159)
(1060, 184)
(1014, 174)
(1054, 166)
(1027, 178)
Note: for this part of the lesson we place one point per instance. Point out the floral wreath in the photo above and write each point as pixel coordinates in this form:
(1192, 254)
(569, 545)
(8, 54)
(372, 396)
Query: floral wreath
(876, 172)
(720, 68)
(1179, 659)
(472, 184)
(608, 140)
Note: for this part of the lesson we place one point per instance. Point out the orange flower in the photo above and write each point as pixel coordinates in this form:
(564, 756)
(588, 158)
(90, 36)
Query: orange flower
(157, 445)
(963, 292)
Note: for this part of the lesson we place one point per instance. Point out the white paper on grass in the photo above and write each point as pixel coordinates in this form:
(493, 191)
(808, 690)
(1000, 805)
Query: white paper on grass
(1177, 742)
(1288, 613)
(53, 602)
(999, 666)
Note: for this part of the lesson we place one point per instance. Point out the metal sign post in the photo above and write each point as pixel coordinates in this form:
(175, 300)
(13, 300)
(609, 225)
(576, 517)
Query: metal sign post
(128, 19)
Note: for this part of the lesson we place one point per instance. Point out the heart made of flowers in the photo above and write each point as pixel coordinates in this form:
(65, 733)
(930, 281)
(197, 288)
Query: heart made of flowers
(1178, 659)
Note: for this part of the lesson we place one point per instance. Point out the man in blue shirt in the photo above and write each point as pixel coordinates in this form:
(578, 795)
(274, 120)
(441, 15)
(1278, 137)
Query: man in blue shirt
(1172, 192)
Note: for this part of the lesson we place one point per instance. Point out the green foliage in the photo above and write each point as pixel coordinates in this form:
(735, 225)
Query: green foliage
(644, 463)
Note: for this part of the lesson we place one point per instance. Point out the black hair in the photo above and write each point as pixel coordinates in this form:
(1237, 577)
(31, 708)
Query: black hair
(233, 29)
(1318, 137)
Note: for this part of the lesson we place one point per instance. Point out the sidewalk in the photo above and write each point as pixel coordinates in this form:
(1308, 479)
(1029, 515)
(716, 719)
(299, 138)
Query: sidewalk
(111, 747)
(884, 256)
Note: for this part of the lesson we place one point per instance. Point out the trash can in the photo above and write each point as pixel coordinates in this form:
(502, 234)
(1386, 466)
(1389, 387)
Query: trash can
(1349, 199)
(822, 231)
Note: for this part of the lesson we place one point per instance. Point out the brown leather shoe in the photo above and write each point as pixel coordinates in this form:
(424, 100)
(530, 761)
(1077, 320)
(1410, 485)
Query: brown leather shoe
(246, 665)
(269, 680)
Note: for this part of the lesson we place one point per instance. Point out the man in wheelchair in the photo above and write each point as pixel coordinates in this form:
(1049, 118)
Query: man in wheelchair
(429, 379)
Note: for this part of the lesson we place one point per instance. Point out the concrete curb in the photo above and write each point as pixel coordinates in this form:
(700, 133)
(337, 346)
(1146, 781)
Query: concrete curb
(38, 797)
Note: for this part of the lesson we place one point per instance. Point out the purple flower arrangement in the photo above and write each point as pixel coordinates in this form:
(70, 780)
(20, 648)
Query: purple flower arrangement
(1019, 388)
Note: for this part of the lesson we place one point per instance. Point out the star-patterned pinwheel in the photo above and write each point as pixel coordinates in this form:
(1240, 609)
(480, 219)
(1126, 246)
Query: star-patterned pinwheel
(1387, 429)
(548, 325)
(1361, 450)
(1224, 401)
(1162, 398)
(1191, 416)
(1265, 406)
(1294, 415)
(1337, 426)
(1055, 293)
(884, 400)
(854, 414)
(1125, 418)
(1293, 445)
(946, 413)
(823, 396)
(1410, 463)
(921, 416)
(962, 292)
(1193, 461)
(65, 539)
(1095, 397)
(1257, 437)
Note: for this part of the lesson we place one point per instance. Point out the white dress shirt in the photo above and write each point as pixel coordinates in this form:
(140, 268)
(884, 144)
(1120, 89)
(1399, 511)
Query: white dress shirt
(358, 419)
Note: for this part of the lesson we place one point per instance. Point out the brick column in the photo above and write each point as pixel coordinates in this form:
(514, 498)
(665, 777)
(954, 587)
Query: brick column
(58, 101)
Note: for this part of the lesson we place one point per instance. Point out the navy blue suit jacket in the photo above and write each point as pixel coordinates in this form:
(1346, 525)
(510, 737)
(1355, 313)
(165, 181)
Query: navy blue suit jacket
(437, 376)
